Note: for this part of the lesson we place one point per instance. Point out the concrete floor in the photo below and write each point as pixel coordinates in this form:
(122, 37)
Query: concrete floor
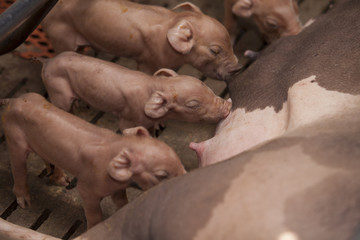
(57, 210)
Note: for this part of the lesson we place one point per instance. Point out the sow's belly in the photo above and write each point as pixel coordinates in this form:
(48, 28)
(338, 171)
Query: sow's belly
(307, 103)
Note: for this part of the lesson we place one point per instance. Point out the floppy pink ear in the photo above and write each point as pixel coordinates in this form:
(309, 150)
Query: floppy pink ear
(165, 72)
(180, 37)
(119, 167)
(157, 105)
(136, 131)
(188, 6)
(243, 8)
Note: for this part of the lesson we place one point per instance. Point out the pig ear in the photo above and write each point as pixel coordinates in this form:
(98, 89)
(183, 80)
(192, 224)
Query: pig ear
(118, 167)
(157, 105)
(136, 131)
(187, 6)
(165, 72)
(243, 8)
(180, 37)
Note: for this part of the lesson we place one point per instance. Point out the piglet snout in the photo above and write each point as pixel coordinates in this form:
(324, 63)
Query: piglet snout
(235, 69)
(231, 71)
(226, 108)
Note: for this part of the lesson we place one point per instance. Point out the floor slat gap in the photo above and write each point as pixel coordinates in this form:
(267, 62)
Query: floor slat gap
(16, 88)
(9, 210)
(97, 117)
(72, 229)
(45, 215)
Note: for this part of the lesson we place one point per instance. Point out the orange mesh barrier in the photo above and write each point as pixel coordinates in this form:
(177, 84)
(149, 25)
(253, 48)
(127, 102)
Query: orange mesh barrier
(36, 45)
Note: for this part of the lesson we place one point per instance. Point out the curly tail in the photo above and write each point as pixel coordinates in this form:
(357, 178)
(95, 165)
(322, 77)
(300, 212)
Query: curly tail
(4, 101)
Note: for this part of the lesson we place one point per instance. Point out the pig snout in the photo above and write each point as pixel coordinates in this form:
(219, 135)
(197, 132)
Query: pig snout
(225, 107)
(220, 111)
(229, 71)
(294, 29)
(235, 69)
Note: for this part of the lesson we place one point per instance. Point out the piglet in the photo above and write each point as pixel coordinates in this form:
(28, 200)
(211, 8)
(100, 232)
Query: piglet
(136, 98)
(154, 36)
(274, 18)
(103, 162)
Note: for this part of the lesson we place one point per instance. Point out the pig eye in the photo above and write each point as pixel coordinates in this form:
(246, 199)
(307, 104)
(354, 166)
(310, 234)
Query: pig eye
(215, 50)
(193, 104)
(272, 24)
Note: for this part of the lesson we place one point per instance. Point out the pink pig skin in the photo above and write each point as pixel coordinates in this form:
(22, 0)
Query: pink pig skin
(137, 99)
(274, 18)
(103, 162)
(154, 36)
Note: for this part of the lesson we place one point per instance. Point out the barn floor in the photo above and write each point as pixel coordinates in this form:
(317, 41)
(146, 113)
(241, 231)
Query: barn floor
(57, 210)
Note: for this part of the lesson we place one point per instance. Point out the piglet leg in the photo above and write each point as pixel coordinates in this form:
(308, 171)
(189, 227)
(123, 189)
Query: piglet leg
(91, 206)
(18, 154)
(60, 92)
(119, 198)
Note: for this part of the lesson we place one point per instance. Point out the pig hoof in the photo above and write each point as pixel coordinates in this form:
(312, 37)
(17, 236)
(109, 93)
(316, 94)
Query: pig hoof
(23, 201)
(60, 180)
